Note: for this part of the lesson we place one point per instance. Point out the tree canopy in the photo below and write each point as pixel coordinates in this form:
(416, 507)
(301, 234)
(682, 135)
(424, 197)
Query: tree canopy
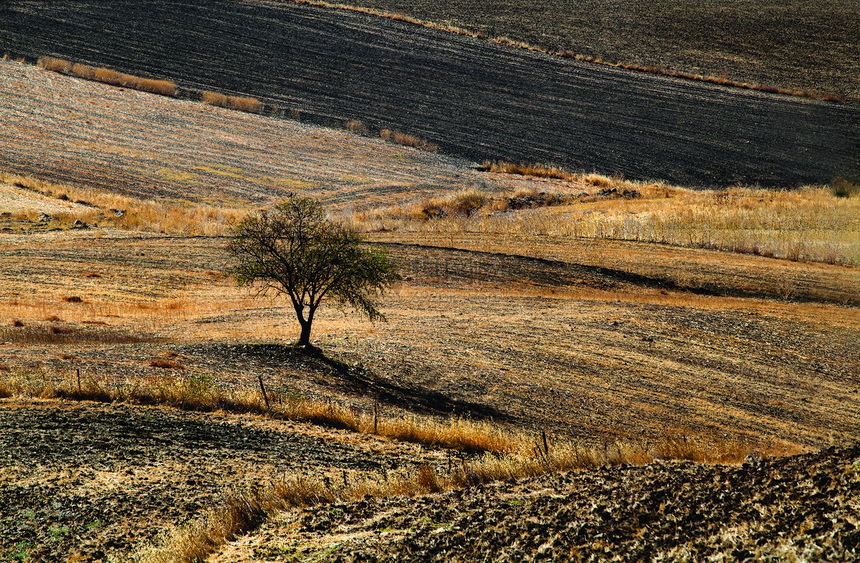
(295, 250)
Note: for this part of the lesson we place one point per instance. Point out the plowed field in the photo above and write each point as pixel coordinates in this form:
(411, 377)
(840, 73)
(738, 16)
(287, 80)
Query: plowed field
(475, 98)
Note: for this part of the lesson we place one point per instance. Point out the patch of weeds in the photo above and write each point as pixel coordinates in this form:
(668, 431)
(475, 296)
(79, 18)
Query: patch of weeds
(199, 384)
(58, 533)
(20, 552)
(97, 523)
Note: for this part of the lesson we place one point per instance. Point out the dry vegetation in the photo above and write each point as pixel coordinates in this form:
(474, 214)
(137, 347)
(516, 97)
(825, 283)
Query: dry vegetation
(96, 207)
(407, 140)
(813, 223)
(238, 103)
(108, 76)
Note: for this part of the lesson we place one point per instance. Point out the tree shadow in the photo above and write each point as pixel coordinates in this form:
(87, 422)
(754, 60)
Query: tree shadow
(333, 373)
(368, 383)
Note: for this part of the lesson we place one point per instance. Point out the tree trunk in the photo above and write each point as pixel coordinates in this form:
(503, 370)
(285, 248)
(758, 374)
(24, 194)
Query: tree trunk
(305, 338)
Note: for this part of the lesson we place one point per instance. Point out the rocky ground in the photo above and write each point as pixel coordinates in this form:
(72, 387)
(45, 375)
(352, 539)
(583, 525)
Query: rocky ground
(799, 508)
(90, 482)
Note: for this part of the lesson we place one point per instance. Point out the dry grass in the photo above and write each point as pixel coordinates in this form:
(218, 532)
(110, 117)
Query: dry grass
(722, 79)
(169, 217)
(536, 170)
(249, 105)
(812, 223)
(246, 510)
(407, 140)
(356, 127)
(65, 335)
(108, 76)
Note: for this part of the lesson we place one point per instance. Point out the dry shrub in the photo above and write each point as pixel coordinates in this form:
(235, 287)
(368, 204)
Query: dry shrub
(356, 127)
(17, 323)
(845, 187)
(597, 180)
(407, 140)
(55, 65)
(427, 479)
(83, 71)
(250, 105)
(108, 76)
(537, 170)
(161, 87)
(214, 99)
(73, 299)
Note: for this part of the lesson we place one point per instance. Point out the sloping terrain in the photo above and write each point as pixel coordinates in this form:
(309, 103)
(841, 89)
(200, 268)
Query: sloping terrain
(91, 483)
(802, 508)
(599, 341)
(807, 45)
(476, 99)
(89, 135)
(579, 352)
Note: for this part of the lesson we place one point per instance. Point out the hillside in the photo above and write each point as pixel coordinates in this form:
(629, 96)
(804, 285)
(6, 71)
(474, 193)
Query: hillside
(677, 398)
(474, 98)
(808, 45)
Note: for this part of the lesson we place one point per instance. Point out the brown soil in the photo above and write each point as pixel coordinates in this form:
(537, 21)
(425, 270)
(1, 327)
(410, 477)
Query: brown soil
(593, 354)
(89, 482)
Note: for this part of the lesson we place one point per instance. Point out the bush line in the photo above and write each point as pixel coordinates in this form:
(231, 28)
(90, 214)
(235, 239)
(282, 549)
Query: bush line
(108, 76)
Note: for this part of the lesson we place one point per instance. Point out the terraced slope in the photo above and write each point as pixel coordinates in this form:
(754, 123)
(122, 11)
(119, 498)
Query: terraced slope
(475, 98)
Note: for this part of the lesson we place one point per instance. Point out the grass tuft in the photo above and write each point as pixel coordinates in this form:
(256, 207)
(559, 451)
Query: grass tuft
(405, 140)
(249, 105)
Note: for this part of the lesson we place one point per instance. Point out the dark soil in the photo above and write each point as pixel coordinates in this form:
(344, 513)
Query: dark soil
(803, 507)
(475, 98)
(95, 482)
(808, 45)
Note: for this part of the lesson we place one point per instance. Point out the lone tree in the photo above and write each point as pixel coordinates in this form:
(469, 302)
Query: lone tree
(295, 250)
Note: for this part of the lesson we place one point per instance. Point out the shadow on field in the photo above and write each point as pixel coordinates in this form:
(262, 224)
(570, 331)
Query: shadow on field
(355, 380)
